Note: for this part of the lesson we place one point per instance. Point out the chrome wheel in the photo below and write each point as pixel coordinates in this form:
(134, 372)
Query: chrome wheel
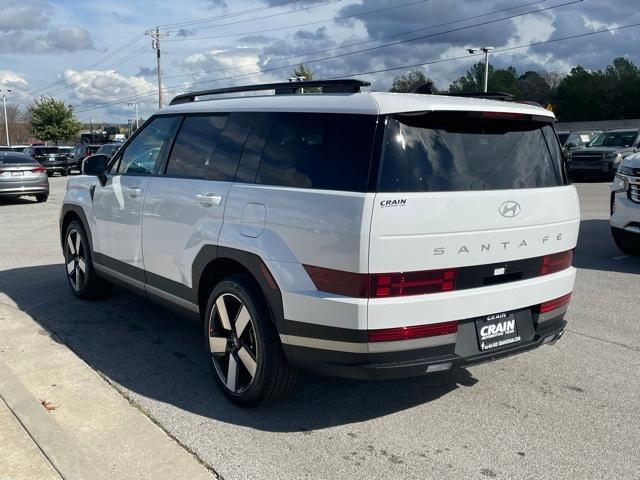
(232, 343)
(76, 259)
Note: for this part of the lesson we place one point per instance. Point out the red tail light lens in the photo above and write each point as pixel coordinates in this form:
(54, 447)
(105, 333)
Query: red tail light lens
(39, 170)
(556, 262)
(554, 304)
(407, 333)
(381, 285)
(411, 283)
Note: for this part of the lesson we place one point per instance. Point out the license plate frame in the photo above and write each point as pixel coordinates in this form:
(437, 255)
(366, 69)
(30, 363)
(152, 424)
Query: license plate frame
(497, 331)
(17, 174)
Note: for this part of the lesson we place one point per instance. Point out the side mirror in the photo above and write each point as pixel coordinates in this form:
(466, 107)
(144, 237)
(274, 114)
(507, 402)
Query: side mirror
(96, 165)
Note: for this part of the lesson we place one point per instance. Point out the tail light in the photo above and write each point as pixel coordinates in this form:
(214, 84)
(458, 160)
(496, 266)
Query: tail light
(39, 170)
(554, 304)
(504, 115)
(408, 333)
(556, 262)
(381, 285)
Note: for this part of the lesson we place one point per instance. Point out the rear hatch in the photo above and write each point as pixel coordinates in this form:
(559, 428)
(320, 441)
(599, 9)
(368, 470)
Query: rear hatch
(471, 189)
(50, 155)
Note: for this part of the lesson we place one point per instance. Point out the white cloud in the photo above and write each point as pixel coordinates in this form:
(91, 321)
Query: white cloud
(596, 25)
(24, 15)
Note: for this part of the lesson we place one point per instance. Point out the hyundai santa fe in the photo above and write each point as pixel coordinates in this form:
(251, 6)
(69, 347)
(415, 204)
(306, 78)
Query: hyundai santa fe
(359, 234)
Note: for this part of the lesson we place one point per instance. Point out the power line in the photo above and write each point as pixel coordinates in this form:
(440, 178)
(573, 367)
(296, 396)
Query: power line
(431, 62)
(289, 27)
(304, 54)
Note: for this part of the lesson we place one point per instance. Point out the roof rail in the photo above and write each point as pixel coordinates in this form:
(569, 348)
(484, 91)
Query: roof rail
(346, 85)
(505, 97)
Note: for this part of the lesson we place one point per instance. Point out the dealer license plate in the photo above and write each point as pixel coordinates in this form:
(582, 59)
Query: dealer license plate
(498, 330)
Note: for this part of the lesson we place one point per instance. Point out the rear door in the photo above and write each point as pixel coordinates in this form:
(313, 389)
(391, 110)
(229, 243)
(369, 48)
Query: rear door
(184, 208)
(117, 205)
(462, 189)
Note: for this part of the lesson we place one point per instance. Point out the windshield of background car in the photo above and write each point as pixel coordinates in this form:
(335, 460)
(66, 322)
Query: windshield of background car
(614, 139)
(440, 152)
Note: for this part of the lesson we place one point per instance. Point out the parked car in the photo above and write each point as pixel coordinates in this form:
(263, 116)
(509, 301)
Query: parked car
(51, 158)
(4, 148)
(625, 205)
(366, 235)
(19, 148)
(108, 149)
(603, 155)
(580, 138)
(562, 136)
(80, 153)
(21, 175)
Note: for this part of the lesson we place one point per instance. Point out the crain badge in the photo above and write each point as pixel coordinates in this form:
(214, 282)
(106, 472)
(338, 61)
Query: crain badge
(510, 209)
(497, 331)
(398, 202)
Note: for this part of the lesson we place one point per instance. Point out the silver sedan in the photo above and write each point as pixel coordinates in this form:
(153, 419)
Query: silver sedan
(22, 175)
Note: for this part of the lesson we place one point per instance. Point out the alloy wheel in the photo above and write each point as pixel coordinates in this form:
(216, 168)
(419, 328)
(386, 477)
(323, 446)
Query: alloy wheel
(232, 343)
(75, 255)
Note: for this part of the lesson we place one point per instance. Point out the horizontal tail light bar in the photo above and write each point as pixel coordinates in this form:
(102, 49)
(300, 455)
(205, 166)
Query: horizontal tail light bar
(381, 285)
(554, 304)
(408, 333)
(39, 170)
(556, 262)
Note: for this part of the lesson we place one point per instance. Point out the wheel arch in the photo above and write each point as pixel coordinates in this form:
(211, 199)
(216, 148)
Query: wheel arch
(72, 212)
(213, 264)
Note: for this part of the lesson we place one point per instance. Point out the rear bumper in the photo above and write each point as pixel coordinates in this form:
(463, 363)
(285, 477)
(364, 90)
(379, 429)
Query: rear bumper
(24, 190)
(535, 330)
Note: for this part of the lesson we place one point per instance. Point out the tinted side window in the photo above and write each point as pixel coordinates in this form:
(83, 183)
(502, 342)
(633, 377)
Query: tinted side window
(320, 151)
(195, 144)
(141, 155)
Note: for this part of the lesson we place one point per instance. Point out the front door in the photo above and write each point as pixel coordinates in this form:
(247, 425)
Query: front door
(117, 206)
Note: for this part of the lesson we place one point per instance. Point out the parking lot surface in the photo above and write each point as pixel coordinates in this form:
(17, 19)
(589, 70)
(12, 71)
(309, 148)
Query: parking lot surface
(565, 411)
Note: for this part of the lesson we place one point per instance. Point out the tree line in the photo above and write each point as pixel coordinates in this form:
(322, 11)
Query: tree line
(612, 93)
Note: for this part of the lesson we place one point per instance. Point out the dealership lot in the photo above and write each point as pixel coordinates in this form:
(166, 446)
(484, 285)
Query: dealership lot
(563, 411)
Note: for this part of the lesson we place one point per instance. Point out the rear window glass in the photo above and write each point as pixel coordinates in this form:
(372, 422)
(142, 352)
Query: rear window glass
(319, 151)
(46, 150)
(442, 152)
(13, 158)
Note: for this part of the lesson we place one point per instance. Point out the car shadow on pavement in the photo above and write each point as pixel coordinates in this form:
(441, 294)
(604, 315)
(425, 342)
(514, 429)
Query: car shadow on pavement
(150, 352)
(16, 200)
(596, 249)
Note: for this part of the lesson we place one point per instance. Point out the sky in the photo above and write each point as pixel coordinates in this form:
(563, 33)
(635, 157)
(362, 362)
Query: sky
(96, 57)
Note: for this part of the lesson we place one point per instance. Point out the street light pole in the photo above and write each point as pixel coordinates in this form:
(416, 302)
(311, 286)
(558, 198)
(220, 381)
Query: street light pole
(486, 51)
(4, 104)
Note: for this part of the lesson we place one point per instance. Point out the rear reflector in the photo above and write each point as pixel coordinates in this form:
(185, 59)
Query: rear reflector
(556, 262)
(381, 285)
(554, 304)
(408, 333)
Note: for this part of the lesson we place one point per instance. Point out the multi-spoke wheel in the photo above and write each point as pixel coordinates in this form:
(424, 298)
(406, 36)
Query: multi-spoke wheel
(246, 355)
(75, 256)
(82, 277)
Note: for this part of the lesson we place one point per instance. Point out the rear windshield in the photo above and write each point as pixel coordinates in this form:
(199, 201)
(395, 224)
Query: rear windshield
(442, 152)
(14, 159)
(47, 150)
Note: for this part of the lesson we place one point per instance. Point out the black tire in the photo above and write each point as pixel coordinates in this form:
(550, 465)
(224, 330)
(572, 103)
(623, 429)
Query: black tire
(42, 197)
(260, 373)
(83, 280)
(64, 173)
(625, 242)
(49, 174)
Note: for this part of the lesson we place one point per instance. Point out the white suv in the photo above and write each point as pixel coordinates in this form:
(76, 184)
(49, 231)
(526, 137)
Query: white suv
(625, 205)
(368, 235)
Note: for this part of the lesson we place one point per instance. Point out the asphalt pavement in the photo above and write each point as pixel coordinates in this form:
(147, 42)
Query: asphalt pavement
(570, 410)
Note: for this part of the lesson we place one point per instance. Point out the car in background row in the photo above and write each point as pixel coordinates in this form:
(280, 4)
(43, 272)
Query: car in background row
(109, 149)
(603, 155)
(625, 205)
(51, 158)
(21, 175)
(80, 153)
(579, 138)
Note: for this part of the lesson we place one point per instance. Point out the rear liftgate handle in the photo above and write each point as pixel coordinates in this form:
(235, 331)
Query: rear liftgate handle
(209, 199)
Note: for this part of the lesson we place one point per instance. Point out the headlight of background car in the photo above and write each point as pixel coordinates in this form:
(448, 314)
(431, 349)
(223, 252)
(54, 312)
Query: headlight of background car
(620, 183)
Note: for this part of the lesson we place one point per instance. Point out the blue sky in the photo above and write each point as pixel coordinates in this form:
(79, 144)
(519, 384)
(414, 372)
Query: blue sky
(58, 48)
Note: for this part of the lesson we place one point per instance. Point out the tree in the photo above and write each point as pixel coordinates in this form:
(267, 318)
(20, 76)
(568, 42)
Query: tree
(19, 129)
(535, 88)
(408, 82)
(52, 120)
(302, 72)
(500, 80)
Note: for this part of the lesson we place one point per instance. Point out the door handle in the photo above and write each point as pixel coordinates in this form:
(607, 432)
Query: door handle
(134, 192)
(209, 199)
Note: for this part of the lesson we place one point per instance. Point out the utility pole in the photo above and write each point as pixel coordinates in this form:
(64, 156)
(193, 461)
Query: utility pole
(137, 117)
(486, 51)
(4, 104)
(155, 44)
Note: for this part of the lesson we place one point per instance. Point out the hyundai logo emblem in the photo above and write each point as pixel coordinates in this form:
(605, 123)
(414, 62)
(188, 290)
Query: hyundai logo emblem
(510, 209)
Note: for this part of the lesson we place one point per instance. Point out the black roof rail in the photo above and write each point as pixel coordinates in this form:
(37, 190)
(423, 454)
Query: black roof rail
(505, 97)
(346, 85)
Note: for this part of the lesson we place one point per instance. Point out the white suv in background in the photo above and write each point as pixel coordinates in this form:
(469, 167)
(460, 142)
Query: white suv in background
(625, 205)
(368, 235)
